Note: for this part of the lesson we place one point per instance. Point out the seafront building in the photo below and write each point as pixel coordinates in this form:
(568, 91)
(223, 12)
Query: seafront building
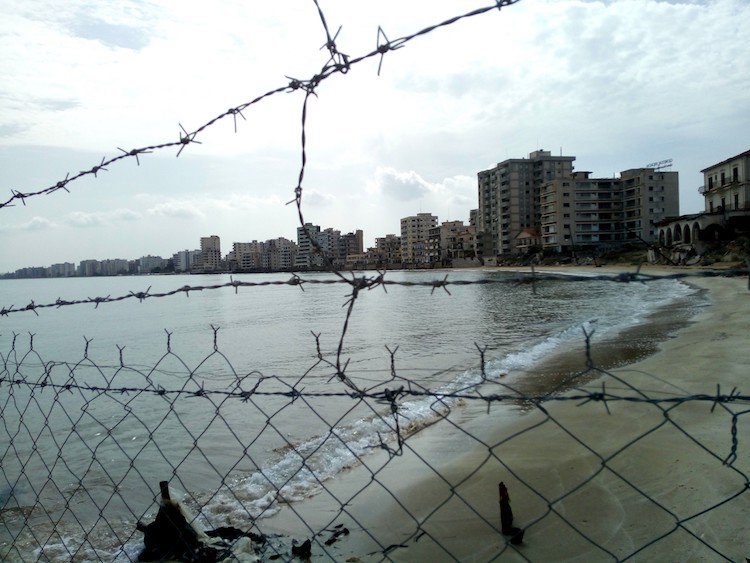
(388, 249)
(726, 196)
(318, 247)
(272, 255)
(580, 212)
(210, 254)
(509, 197)
(727, 184)
(526, 205)
(186, 260)
(307, 257)
(415, 234)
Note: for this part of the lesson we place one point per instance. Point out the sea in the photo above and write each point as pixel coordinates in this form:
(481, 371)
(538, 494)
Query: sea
(249, 398)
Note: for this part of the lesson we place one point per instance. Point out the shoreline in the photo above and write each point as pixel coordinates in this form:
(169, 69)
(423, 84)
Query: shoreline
(587, 481)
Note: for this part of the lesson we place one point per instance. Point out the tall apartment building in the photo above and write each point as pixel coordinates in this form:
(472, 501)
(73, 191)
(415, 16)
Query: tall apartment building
(247, 256)
(146, 264)
(727, 184)
(210, 253)
(280, 254)
(307, 256)
(64, 270)
(415, 231)
(509, 197)
(351, 244)
(89, 268)
(272, 255)
(580, 211)
(184, 260)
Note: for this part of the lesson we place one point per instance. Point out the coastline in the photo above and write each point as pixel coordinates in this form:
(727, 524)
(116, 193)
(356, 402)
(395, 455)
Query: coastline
(632, 478)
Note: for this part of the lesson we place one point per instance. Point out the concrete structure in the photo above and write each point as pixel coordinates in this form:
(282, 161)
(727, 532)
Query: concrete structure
(307, 256)
(727, 185)
(210, 254)
(582, 212)
(457, 240)
(726, 195)
(89, 268)
(281, 254)
(185, 260)
(64, 270)
(415, 231)
(351, 244)
(388, 250)
(247, 256)
(509, 197)
(146, 265)
(272, 255)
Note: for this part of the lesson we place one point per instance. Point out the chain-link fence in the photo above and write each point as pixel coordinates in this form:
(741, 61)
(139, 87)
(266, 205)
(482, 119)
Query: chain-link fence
(273, 468)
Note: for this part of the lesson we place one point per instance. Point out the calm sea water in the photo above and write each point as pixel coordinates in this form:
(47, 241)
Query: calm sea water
(106, 452)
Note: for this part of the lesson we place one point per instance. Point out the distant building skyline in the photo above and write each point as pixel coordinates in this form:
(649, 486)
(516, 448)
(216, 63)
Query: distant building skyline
(525, 204)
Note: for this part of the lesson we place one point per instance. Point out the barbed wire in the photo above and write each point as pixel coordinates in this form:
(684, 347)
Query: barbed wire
(338, 63)
(369, 282)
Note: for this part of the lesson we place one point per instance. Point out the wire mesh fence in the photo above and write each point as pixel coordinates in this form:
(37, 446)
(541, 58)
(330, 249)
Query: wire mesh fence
(334, 466)
(206, 459)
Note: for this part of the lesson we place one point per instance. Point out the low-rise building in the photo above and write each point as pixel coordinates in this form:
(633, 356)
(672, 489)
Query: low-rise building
(726, 196)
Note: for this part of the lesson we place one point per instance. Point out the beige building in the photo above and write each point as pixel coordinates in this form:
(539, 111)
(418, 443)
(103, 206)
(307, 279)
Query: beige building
(726, 195)
(307, 254)
(415, 231)
(388, 249)
(210, 254)
(247, 256)
(727, 184)
(509, 197)
(580, 211)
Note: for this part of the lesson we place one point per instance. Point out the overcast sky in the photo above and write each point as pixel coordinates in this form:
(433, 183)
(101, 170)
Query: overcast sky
(618, 84)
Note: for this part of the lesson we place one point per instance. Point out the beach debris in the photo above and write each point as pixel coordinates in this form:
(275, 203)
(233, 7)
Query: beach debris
(174, 536)
(338, 530)
(303, 551)
(506, 517)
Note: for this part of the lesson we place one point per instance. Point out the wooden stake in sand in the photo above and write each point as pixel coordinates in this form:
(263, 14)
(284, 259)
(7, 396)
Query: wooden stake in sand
(506, 517)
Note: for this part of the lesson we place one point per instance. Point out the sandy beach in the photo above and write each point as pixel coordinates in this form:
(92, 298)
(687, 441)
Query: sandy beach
(648, 475)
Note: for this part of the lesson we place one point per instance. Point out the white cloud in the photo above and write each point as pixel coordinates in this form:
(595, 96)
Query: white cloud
(177, 209)
(34, 224)
(101, 218)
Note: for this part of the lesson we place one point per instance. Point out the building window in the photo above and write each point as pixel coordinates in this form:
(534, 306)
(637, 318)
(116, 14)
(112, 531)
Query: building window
(566, 205)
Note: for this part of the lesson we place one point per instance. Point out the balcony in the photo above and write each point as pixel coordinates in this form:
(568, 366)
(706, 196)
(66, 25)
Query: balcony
(702, 190)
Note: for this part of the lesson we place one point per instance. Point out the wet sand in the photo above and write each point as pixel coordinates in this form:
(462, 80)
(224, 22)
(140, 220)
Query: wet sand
(641, 477)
